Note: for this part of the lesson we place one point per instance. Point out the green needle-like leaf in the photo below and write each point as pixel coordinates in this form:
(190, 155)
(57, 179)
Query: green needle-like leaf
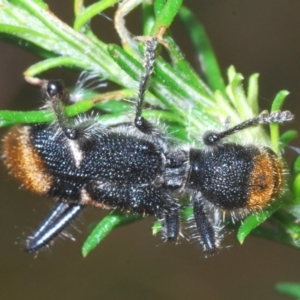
(254, 220)
(289, 289)
(94, 9)
(204, 49)
(274, 128)
(165, 15)
(104, 228)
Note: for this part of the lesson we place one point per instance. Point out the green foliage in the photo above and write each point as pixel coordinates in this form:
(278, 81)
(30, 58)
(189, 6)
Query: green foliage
(289, 289)
(185, 102)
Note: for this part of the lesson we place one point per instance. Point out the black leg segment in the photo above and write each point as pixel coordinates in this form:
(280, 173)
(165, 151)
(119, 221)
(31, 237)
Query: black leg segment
(142, 124)
(56, 222)
(206, 231)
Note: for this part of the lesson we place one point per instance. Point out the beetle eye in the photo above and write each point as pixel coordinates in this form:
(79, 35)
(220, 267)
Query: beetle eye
(55, 88)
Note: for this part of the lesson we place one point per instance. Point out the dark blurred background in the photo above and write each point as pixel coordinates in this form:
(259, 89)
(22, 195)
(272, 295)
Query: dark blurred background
(255, 36)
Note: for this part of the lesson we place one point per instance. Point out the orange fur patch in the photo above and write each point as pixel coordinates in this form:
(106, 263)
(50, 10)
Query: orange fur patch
(265, 181)
(24, 162)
